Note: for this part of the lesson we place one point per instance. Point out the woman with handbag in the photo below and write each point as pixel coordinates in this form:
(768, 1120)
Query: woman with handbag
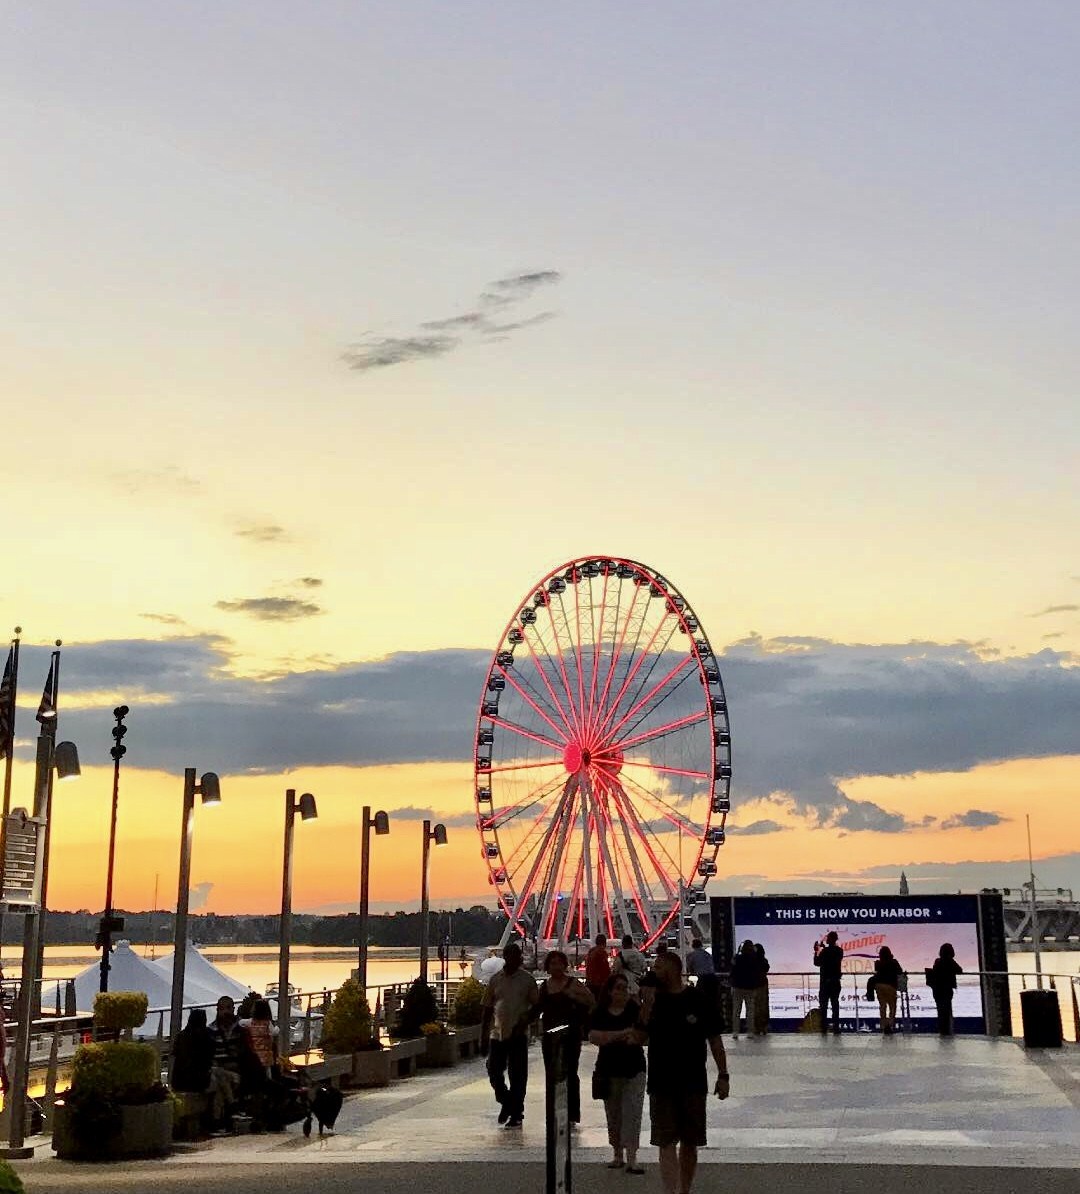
(619, 1077)
(887, 972)
(565, 1002)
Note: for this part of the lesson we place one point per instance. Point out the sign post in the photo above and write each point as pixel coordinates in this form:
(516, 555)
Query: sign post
(557, 1114)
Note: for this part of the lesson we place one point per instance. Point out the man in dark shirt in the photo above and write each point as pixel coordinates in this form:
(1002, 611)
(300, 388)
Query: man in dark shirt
(681, 1025)
(829, 959)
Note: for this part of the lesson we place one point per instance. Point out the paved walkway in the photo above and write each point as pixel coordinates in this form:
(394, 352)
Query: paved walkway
(824, 1107)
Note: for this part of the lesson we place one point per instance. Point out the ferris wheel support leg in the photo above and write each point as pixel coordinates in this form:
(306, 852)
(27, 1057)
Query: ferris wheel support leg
(551, 893)
(594, 926)
(541, 854)
(643, 908)
(614, 886)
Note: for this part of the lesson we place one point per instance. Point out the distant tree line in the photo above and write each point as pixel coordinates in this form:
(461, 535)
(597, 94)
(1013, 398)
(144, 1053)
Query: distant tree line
(475, 926)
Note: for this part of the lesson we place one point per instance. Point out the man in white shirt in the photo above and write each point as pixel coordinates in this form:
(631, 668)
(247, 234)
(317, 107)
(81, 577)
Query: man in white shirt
(504, 1034)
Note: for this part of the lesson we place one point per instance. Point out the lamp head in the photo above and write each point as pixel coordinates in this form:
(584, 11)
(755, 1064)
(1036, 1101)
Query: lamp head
(210, 786)
(438, 834)
(381, 823)
(306, 807)
(66, 760)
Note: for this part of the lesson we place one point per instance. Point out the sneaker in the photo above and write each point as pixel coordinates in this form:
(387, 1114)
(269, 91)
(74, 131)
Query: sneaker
(515, 1121)
(504, 1111)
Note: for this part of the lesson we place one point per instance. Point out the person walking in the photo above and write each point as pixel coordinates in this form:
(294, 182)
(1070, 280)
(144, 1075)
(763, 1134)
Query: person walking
(941, 978)
(887, 972)
(564, 1002)
(829, 959)
(699, 961)
(504, 1034)
(745, 980)
(681, 1026)
(619, 1076)
(631, 962)
(597, 966)
(761, 993)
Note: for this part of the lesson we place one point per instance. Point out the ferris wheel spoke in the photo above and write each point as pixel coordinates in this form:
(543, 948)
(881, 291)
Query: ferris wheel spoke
(618, 637)
(679, 820)
(525, 766)
(548, 904)
(523, 851)
(612, 885)
(634, 821)
(521, 901)
(598, 640)
(639, 660)
(516, 729)
(657, 688)
(641, 888)
(665, 770)
(610, 846)
(561, 660)
(567, 722)
(636, 700)
(622, 744)
(519, 688)
(579, 654)
(612, 706)
(505, 815)
(667, 696)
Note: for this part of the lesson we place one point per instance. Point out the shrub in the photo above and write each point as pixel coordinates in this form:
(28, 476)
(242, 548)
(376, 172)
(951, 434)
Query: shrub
(10, 1182)
(348, 1026)
(467, 1006)
(120, 1009)
(419, 1007)
(434, 1028)
(118, 1071)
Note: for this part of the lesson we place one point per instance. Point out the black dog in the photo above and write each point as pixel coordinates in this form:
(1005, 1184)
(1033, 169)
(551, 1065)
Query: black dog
(325, 1105)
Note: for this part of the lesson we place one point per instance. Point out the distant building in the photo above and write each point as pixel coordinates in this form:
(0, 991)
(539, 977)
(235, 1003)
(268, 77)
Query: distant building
(904, 884)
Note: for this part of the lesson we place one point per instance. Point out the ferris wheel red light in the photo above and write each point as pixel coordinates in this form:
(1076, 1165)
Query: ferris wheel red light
(603, 760)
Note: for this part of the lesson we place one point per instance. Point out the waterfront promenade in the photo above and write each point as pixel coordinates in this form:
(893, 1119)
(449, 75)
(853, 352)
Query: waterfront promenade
(959, 1115)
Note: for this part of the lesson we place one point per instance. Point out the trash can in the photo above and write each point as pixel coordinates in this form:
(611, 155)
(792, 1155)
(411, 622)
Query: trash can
(1041, 1014)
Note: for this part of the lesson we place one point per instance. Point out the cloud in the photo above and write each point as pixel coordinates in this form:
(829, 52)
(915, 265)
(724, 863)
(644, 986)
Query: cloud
(1054, 634)
(455, 820)
(756, 828)
(262, 532)
(439, 337)
(271, 609)
(974, 818)
(1055, 609)
(164, 619)
(310, 582)
(167, 480)
(805, 719)
(380, 352)
(199, 896)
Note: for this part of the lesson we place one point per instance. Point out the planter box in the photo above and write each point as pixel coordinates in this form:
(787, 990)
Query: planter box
(441, 1051)
(405, 1056)
(145, 1131)
(371, 1067)
(468, 1041)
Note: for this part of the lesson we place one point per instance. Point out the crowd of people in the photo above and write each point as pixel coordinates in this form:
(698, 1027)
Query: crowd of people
(653, 1034)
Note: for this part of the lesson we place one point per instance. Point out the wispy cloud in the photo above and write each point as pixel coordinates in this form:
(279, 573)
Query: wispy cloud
(165, 619)
(310, 582)
(271, 609)
(757, 828)
(485, 321)
(262, 532)
(974, 818)
(1055, 609)
(167, 480)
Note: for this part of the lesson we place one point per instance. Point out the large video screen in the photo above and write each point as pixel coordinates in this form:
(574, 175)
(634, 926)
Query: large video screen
(913, 927)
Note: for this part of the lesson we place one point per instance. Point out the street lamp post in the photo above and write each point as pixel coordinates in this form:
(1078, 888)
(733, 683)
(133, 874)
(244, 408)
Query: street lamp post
(110, 923)
(438, 836)
(305, 806)
(380, 822)
(63, 757)
(209, 787)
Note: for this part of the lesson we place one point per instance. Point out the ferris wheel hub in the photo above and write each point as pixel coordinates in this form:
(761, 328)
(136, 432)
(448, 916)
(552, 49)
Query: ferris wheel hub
(576, 757)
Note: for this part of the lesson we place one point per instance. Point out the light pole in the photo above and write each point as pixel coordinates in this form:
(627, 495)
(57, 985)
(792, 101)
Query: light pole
(209, 787)
(305, 806)
(112, 924)
(381, 824)
(438, 836)
(63, 757)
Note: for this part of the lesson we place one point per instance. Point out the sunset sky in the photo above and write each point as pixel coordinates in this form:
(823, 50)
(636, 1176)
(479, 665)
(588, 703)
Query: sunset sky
(329, 329)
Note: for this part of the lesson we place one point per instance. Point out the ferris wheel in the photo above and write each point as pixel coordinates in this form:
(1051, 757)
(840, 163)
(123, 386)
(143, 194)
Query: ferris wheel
(603, 756)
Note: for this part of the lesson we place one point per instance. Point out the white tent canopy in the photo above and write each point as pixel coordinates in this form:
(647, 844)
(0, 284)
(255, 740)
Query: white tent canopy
(201, 974)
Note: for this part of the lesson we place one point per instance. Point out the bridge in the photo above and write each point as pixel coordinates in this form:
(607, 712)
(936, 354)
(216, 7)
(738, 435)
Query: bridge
(1055, 915)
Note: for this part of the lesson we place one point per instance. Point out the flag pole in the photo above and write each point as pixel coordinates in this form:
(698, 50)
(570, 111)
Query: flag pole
(49, 727)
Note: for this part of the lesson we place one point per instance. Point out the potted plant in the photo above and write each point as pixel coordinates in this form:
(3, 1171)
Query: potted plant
(10, 1182)
(348, 1027)
(116, 1105)
(441, 1050)
(466, 1012)
(419, 1007)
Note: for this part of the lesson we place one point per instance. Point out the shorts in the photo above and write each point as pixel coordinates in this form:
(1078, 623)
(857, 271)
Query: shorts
(677, 1118)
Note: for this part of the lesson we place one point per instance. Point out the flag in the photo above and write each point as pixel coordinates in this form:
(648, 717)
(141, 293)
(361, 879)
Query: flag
(7, 704)
(47, 709)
